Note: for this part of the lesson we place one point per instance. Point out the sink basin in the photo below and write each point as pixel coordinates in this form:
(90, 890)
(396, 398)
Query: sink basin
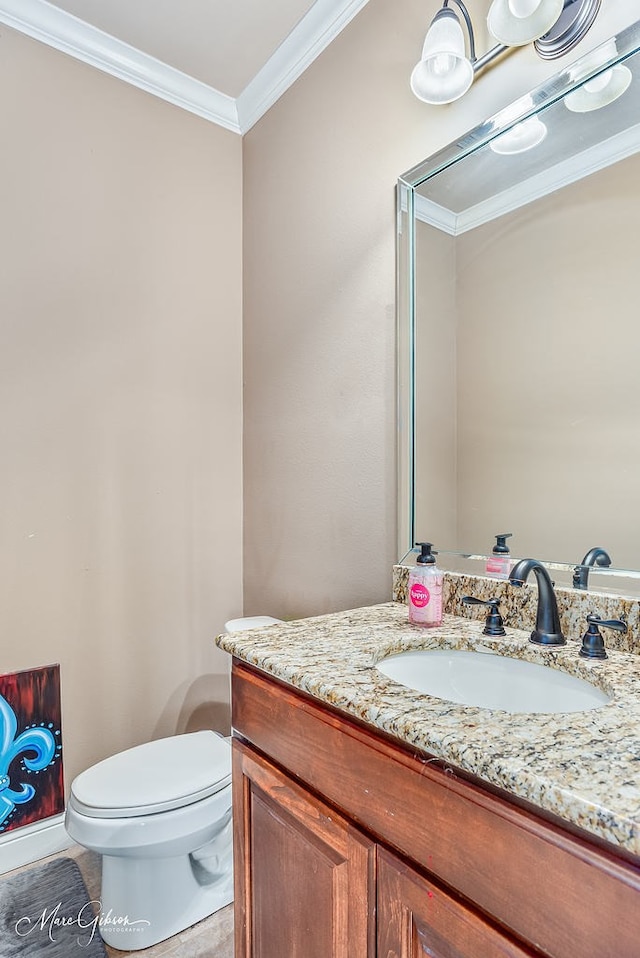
(492, 681)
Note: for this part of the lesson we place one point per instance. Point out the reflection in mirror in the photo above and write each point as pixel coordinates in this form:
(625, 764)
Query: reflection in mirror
(519, 390)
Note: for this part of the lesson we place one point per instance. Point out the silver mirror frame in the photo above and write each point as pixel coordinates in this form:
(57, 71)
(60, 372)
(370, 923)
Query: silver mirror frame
(552, 90)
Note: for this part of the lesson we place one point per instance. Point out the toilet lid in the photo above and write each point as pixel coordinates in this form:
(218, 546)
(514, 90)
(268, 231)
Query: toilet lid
(154, 777)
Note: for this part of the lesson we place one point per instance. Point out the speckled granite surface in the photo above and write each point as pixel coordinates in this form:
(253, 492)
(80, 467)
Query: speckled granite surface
(518, 606)
(582, 766)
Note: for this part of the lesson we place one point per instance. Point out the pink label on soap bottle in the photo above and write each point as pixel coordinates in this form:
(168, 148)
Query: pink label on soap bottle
(420, 595)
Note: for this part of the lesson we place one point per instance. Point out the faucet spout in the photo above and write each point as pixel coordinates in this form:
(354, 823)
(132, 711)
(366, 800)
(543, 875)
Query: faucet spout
(548, 630)
(596, 556)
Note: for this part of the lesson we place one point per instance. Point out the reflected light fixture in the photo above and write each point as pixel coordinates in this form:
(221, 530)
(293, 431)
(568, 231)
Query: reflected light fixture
(445, 72)
(603, 88)
(521, 137)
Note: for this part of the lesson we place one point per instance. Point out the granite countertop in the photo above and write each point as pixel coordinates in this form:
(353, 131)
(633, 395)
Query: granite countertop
(581, 766)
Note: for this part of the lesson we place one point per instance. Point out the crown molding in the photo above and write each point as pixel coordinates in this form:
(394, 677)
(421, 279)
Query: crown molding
(436, 215)
(49, 24)
(64, 32)
(313, 34)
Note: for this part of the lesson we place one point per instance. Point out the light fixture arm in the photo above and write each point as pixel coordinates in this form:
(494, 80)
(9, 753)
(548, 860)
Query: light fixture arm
(490, 55)
(476, 62)
(467, 20)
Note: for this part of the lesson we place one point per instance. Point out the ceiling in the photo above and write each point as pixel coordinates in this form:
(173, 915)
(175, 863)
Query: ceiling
(226, 60)
(222, 43)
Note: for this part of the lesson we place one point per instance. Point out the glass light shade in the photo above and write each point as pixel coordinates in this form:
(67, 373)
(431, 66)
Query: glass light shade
(600, 91)
(516, 22)
(521, 137)
(603, 88)
(444, 72)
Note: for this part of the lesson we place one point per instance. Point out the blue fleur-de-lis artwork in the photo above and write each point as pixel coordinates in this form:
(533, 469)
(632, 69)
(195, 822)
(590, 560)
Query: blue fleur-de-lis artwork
(31, 783)
(38, 747)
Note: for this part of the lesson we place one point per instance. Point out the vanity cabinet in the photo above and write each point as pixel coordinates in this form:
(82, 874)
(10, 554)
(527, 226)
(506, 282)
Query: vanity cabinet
(305, 886)
(349, 844)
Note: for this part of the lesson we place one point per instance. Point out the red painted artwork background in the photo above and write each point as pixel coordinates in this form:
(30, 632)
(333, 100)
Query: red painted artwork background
(34, 696)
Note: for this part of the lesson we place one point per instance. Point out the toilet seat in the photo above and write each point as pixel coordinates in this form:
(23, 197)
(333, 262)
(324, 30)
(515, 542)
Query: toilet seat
(155, 777)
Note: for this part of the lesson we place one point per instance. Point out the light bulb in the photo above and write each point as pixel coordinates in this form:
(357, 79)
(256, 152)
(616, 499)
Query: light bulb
(442, 64)
(523, 8)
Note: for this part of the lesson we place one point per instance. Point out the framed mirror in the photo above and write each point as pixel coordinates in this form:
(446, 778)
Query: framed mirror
(518, 328)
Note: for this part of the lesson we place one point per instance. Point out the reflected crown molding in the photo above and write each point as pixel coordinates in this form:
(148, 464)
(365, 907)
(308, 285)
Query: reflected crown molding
(61, 30)
(562, 174)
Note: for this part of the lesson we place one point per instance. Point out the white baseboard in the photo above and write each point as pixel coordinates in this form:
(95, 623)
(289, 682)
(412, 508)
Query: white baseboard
(33, 842)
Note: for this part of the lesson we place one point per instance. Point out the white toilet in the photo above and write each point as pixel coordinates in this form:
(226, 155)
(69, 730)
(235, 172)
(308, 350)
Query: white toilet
(250, 622)
(160, 815)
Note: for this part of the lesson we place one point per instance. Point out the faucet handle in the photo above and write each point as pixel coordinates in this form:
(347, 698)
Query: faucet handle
(592, 641)
(493, 623)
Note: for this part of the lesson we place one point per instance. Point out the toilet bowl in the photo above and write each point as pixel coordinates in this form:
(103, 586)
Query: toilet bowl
(160, 816)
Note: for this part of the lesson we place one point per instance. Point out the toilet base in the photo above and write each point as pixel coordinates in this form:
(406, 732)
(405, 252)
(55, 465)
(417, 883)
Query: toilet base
(145, 901)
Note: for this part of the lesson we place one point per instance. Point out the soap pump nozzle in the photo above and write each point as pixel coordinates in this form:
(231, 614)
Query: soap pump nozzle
(501, 548)
(426, 557)
(498, 564)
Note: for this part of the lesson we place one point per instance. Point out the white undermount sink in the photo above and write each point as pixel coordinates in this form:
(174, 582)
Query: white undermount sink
(491, 681)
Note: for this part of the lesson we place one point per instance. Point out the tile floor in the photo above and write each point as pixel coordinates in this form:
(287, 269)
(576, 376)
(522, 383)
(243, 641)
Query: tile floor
(211, 938)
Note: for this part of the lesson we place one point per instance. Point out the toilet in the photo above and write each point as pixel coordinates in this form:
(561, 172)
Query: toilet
(160, 816)
(250, 622)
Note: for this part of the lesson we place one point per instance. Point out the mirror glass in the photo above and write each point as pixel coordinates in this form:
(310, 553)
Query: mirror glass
(519, 340)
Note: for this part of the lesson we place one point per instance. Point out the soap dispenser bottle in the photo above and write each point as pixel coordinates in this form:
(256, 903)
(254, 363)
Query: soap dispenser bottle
(424, 591)
(499, 562)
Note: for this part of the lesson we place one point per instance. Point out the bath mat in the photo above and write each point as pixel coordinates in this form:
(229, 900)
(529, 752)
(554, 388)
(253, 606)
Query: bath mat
(45, 912)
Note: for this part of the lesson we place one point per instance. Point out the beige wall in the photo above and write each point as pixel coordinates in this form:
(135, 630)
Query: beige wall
(436, 464)
(121, 415)
(527, 393)
(548, 390)
(319, 176)
(120, 399)
(319, 320)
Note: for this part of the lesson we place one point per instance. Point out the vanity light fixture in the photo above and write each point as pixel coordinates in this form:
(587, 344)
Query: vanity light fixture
(603, 88)
(444, 72)
(517, 22)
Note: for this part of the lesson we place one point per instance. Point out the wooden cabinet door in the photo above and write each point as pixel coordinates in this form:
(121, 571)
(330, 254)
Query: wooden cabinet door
(417, 919)
(304, 876)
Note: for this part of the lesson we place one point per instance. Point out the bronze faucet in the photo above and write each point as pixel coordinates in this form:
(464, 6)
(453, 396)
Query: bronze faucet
(595, 556)
(547, 630)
